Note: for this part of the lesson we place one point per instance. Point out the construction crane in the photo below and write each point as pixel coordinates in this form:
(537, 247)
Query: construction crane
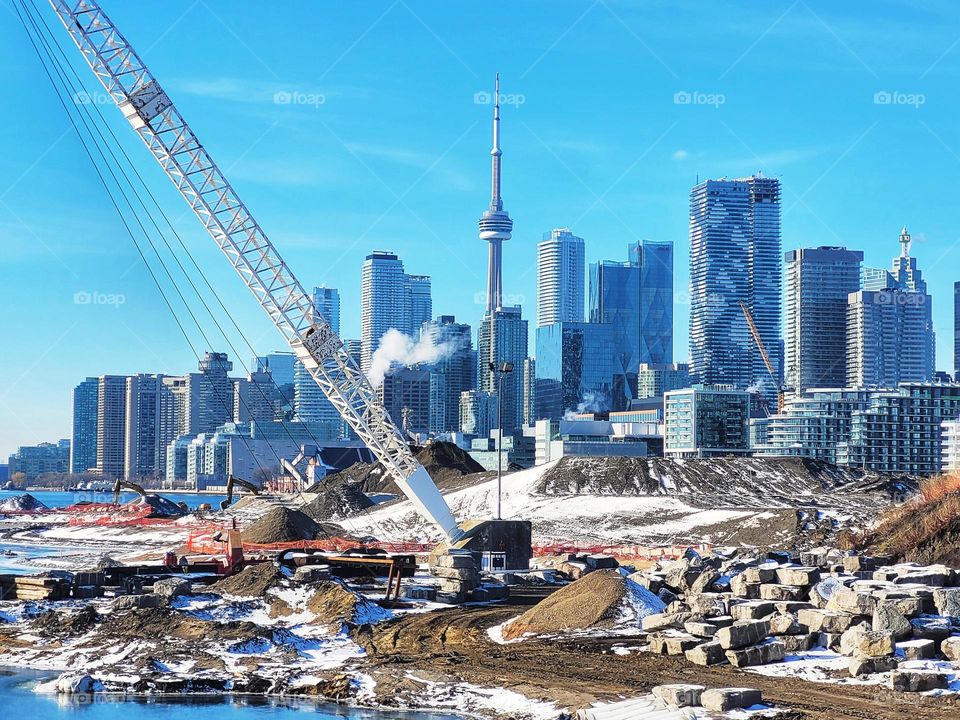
(227, 219)
(763, 354)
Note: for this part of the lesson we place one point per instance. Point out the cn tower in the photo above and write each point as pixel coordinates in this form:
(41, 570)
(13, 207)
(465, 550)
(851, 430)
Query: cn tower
(495, 223)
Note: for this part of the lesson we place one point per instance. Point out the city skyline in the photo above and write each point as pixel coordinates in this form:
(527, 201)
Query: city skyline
(80, 294)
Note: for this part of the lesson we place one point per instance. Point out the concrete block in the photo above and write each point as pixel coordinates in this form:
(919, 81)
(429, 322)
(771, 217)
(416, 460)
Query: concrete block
(742, 634)
(763, 654)
(708, 653)
(798, 576)
(724, 699)
(860, 665)
(752, 610)
(917, 649)
(420, 592)
(918, 680)
(679, 695)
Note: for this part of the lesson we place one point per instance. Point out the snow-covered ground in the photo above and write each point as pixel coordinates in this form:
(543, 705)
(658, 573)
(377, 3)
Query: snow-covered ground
(566, 518)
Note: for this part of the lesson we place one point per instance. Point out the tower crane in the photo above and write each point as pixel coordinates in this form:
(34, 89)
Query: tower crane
(763, 354)
(155, 118)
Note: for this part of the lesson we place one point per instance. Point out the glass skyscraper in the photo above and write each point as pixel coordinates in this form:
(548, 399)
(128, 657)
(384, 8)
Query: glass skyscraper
(453, 374)
(575, 369)
(735, 257)
(560, 272)
(636, 298)
(309, 403)
(502, 337)
(83, 448)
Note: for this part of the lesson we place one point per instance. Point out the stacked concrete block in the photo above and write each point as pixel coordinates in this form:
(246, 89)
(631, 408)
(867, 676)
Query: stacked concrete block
(459, 573)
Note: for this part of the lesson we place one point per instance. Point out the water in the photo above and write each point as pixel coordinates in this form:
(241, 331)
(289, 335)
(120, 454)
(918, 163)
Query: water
(19, 561)
(19, 701)
(56, 498)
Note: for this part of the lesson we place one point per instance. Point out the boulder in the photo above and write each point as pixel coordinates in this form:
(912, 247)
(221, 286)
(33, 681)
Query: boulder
(802, 577)
(707, 603)
(700, 629)
(704, 581)
(873, 644)
(724, 699)
(825, 621)
(947, 601)
(950, 648)
(172, 587)
(888, 617)
(918, 649)
(309, 574)
(782, 592)
(672, 644)
(860, 665)
(859, 563)
(850, 639)
(662, 621)
(927, 627)
(679, 695)
(767, 652)
(742, 587)
(798, 643)
(752, 610)
(708, 653)
(786, 625)
(131, 602)
(766, 573)
(848, 600)
(743, 633)
(918, 680)
(71, 683)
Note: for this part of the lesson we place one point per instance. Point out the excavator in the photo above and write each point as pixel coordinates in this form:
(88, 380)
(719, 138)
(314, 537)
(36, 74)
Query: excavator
(119, 485)
(156, 120)
(231, 481)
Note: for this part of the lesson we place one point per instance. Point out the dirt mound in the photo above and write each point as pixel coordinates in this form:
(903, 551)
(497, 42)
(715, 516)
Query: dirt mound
(723, 482)
(21, 503)
(336, 502)
(159, 506)
(252, 581)
(68, 623)
(444, 461)
(331, 603)
(282, 524)
(601, 599)
(924, 530)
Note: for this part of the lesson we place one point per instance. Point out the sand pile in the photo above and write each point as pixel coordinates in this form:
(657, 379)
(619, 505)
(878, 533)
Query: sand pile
(332, 603)
(282, 524)
(602, 599)
(21, 503)
(252, 581)
(337, 502)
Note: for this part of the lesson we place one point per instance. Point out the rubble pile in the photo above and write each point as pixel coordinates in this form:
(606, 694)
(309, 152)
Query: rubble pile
(731, 607)
(337, 502)
(21, 503)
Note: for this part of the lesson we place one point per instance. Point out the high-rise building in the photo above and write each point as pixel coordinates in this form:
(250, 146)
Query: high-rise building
(453, 374)
(655, 380)
(819, 280)
(281, 366)
(706, 421)
(83, 448)
(209, 394)
(956, 331)
(875, 279)
(405, 393)
(560, 273)
(502, 338)
(636, 298)
(310, 405)
(495, 223)
(111, 426)
(255, 397)
(35, 460)
(326, 303)
(655, 260)
(529, 392)
(890, 337)
(575, 369)
(735, 257)
(421, 303)
(148, 432)
(478, 413)
(384, 301)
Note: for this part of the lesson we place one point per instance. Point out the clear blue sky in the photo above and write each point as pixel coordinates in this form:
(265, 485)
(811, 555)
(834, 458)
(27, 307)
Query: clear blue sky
(396, 155)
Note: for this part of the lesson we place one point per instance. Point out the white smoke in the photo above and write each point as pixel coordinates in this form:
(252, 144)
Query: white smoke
(591, 402)
(398, 349)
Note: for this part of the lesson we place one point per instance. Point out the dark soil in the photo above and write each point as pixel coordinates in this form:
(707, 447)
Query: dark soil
(68, 623)
(252, 581)
(282, 524)
(337, 502)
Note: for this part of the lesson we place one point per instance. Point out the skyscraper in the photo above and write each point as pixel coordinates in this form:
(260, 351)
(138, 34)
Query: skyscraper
(111, 425)
(560, 272)
(819, 280)
(636, 298)
(83, 447)
(575, 369)
(495, 223)
(384, 301)
(890, 337)
(309, 403)
(453, 374)
(326, 303)
(956, 331)
(147, 431)
(421, 303)
(502, 337)
(735, 257)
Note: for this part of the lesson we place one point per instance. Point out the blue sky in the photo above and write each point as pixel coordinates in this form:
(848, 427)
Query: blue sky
(382, 145)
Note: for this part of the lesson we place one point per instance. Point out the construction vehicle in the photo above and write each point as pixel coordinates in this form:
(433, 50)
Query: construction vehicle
(119, 484)
(766, 357)
(185, 160)
(231, 481)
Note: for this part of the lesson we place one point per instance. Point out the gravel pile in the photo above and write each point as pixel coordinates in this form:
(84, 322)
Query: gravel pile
(21, 503)
(337, 502)
(282, 524)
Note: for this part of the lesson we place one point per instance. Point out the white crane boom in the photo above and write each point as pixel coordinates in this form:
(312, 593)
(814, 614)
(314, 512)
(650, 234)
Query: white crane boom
(211, 197)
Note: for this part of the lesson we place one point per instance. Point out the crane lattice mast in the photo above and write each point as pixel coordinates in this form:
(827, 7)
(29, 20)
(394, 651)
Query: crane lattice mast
(228, 221)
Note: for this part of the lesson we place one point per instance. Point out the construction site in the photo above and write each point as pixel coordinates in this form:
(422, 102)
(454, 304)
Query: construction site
(587, 587)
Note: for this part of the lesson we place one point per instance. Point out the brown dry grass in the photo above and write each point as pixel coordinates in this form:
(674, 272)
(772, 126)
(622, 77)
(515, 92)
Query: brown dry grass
(924, 529)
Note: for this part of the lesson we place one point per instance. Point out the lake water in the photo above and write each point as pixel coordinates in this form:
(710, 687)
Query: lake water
(55, 498)
(17, 700)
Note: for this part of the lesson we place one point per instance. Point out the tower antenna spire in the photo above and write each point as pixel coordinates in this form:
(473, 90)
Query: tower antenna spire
(496, 203)
(495, 223)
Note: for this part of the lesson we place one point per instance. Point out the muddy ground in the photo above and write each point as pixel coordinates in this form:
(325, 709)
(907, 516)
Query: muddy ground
(453, 645)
